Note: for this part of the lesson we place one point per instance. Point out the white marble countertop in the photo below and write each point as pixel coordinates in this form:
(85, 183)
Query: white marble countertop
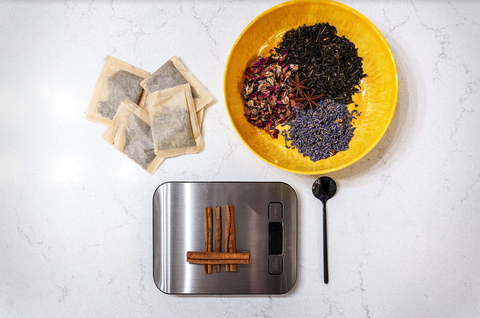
(76, 215)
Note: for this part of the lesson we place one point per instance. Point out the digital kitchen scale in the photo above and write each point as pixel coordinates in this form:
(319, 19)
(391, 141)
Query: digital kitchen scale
(265, 227)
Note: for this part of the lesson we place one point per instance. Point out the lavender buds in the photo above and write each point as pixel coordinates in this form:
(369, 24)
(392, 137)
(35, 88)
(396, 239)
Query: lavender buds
(320, 132)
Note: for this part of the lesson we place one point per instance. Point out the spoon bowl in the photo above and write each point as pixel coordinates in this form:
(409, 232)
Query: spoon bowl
(324, 188)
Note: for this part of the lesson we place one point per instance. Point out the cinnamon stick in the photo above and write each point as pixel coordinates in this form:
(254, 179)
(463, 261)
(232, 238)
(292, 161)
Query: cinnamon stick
(205, 217)
(209, 258)
(217, 261)
(217, 255)
(227, 234)
(218, 234)
(210, 236)
(231, 240)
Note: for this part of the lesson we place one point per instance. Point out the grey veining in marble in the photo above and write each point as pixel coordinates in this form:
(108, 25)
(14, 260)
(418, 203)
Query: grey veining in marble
(76, 215)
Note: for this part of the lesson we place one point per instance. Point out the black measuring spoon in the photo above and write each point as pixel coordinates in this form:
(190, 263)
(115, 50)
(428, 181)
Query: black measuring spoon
(324, 188)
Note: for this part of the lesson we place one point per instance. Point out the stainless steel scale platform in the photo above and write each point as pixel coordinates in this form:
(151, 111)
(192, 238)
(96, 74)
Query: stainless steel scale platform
(265, 227)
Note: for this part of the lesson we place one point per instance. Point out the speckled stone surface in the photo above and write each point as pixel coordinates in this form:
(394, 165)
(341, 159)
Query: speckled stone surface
(76, 215)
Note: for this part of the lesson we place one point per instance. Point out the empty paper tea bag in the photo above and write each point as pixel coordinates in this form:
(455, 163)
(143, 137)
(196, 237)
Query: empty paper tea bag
(174, 73)
(130, 133)
(174, 122)
(118, 81)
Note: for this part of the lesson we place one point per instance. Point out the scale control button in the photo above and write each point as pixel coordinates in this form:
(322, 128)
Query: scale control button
(275, 211)
(275, 265)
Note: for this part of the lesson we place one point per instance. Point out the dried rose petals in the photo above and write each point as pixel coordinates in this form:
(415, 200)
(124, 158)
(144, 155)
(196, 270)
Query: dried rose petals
(266, 94)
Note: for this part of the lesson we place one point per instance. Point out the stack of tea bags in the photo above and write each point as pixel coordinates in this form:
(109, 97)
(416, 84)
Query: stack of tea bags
(149, 117)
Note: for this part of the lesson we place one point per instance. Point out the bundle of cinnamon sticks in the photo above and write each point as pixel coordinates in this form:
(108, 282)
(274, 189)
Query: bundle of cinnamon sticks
(209, 258)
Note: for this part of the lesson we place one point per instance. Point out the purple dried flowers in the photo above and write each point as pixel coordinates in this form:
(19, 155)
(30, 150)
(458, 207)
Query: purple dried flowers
(266, 94)
(320, 132)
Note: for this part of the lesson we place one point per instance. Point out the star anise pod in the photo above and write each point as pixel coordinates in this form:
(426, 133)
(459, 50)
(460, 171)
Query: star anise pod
(309, 99)
(298, 87)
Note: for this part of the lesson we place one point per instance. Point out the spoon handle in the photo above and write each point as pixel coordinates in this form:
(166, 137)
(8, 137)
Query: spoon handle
(325, 251)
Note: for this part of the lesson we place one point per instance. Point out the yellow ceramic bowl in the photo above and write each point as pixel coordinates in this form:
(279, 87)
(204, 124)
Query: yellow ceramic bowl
(376, 100)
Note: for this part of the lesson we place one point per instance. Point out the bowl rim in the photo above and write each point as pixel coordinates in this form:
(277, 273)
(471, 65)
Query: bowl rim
(390, 115)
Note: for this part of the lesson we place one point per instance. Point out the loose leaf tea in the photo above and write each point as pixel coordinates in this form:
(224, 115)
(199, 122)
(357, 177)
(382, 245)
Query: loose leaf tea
(173, 73)
(118, 81)
(175, 129)
(130, 133)
(330, 63)
(320, 132)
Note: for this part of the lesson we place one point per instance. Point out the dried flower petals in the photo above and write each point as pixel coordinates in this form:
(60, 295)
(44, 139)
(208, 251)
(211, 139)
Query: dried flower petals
(266, 94)
(320, 132)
